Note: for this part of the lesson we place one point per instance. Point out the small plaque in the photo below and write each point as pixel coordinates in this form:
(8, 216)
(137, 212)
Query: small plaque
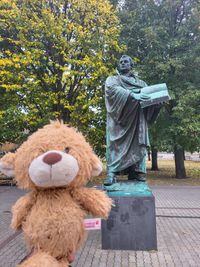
(92, 224)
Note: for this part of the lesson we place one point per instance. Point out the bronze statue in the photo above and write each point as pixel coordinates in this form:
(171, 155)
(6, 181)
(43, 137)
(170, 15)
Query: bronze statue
(131, 106)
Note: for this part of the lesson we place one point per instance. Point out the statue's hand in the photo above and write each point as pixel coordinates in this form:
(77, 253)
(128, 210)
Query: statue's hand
(140, 96)
(144, 97)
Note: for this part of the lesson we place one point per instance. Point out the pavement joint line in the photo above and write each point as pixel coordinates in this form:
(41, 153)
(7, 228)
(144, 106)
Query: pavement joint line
(9, 239)
(178, 216)
(174, 208)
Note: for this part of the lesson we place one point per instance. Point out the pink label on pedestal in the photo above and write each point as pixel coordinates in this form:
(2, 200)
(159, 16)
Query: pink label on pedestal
(92, 224)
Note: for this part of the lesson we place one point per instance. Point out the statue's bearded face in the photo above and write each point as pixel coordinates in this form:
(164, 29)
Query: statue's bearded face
(125, 65)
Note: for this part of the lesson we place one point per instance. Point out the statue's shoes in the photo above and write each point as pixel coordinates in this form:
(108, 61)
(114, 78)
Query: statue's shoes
(141, 178)
(110, 180)
(137, 176)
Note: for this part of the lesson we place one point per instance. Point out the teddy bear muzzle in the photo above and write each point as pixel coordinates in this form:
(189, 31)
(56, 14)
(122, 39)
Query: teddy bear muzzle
(53, 169)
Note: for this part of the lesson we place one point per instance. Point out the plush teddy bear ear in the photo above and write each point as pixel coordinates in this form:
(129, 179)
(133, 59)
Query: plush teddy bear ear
(7, 164)
(96, 166)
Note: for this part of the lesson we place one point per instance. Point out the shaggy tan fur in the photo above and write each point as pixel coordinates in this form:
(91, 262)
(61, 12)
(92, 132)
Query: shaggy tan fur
(41, 259)
(52, 218)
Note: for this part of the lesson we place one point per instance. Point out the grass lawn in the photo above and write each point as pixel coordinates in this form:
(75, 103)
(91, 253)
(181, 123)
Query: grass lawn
(166, 174)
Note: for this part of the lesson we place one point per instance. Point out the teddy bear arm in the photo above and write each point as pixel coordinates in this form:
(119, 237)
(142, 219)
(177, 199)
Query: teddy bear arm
(20, 211)
(94, 201)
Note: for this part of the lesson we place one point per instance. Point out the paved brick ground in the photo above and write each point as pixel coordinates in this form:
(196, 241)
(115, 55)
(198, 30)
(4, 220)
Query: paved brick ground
(178, 233)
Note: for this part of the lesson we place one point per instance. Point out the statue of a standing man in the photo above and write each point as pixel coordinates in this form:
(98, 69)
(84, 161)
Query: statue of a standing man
(127, 123)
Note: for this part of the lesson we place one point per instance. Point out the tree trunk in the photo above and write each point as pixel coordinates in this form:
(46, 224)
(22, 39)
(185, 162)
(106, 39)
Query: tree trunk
(179, 162)
(183, 154)
(154, 155)
(65, 115)
(149, 154)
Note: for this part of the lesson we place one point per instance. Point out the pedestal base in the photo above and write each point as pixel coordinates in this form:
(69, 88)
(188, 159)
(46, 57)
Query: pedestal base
(131, 224)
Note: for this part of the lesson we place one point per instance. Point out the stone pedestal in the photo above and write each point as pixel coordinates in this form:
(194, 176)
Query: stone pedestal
(131, 224)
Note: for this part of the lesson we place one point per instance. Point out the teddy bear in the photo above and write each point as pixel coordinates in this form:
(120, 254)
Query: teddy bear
(54, 164)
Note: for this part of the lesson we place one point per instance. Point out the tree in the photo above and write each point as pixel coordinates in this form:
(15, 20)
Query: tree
(54, 57)
(163, 37)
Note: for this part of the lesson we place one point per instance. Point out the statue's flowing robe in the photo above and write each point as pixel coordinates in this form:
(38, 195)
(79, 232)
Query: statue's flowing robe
(127, 123)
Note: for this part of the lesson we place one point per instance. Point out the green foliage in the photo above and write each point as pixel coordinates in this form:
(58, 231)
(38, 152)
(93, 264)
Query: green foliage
(54, 57)
(11, 118)
(187, 112)
(164, 39)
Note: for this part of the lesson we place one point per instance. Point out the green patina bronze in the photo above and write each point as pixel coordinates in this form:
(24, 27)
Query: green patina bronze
(123, 189)
(131, 107)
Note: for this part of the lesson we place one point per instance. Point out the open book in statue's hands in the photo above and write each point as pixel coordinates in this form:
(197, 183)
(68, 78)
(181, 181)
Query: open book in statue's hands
(156, 94)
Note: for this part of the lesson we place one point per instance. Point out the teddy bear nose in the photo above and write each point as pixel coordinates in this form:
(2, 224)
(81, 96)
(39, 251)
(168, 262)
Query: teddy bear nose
(52, 158)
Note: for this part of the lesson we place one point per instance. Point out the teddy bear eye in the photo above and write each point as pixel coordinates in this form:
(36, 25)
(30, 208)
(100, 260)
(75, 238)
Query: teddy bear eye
(66, 150)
